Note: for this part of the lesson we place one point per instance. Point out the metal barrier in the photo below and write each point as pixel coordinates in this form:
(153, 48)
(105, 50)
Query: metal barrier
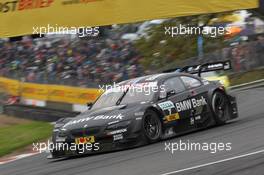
(37, 113)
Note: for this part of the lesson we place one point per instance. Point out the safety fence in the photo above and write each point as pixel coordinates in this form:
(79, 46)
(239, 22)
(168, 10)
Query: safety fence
(37, 113)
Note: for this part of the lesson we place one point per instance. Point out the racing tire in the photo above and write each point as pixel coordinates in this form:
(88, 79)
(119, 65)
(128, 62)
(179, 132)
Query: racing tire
(220, 107)
(151, 127)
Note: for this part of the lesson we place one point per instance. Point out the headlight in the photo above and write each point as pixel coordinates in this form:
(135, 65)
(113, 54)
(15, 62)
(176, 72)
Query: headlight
(120, 125)
(58, 125)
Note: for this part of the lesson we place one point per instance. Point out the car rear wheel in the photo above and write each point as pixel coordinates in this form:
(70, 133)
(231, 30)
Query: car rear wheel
(152, 128)
(220, 106)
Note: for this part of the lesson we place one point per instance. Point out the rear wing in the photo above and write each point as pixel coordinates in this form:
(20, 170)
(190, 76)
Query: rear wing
(199, 69)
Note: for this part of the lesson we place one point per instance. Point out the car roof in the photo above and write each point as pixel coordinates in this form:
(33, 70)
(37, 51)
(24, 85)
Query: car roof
(154, 78)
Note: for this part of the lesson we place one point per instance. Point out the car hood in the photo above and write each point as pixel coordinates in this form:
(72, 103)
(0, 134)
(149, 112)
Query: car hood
(105, 116)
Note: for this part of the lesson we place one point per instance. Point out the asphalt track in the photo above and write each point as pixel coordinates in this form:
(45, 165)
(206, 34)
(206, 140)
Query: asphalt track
(246, 135)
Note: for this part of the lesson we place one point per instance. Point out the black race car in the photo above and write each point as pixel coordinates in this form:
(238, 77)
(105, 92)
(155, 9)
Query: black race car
(146, 110)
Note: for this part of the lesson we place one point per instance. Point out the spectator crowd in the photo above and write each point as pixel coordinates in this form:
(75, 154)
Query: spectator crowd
(90, 62)
(70, 61)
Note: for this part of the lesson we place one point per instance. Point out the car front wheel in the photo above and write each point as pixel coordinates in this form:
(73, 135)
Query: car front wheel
(151, 126)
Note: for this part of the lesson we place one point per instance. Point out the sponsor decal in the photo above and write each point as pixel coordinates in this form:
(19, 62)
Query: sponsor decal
(198, 117)
(21, 5)
(117, 132)
(172, 117)
(139, 113)
(166, 105)
(215, 66)
(190, 104)
(99, 117)
(192, 121)
(73, 2)
(84, 140)
(118, 137)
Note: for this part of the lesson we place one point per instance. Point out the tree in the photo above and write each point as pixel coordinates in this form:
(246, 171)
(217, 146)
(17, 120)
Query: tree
(161, 50)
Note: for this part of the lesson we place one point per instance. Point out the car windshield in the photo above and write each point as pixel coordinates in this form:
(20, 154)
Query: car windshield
(117, 96)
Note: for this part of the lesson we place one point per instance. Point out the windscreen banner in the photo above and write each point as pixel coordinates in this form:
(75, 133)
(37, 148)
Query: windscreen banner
(24, 17)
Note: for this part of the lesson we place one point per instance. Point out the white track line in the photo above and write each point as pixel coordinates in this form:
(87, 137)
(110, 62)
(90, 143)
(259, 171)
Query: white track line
(14, 158)
(246, 84)
(212, 163)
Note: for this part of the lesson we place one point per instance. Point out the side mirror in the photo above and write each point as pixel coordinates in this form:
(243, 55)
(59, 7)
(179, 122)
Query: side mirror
(170, 93)
(89, 105)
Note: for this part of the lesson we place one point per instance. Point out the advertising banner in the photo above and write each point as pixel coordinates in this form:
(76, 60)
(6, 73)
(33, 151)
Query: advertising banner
(55, 93)
(23, 17)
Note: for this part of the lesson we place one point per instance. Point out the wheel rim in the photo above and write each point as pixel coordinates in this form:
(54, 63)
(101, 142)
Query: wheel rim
(152, 127)
(220, 106)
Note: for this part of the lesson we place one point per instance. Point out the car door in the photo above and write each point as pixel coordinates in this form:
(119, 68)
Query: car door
(168, 104)
(198, 97)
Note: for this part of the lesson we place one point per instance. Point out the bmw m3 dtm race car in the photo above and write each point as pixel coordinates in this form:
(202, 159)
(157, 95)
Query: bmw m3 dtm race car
(147, 109)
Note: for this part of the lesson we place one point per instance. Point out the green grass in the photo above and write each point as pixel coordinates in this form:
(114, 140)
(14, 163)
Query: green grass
(21, 135)
(245, 77)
